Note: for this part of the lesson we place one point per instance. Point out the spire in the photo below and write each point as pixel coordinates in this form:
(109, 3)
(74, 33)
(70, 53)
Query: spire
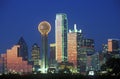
(80, 31)
(75, 27)
(23, 51)
(21, 41)
(70, 31)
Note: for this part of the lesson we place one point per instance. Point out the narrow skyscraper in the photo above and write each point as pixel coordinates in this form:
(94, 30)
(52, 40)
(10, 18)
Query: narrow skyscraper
(86, 49)
(75, 38)
(61, 30)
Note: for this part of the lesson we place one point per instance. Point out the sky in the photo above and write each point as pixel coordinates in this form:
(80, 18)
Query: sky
(98, 19)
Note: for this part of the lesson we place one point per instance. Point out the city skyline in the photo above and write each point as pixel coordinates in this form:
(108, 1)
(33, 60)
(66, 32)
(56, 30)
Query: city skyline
(99, 20)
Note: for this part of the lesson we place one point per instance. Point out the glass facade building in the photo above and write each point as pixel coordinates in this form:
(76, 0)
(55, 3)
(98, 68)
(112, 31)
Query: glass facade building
(23, 50)
(113, 46)
(52, 54)
(93, 62)
(61, 30)
(35, 56)
(86, 49)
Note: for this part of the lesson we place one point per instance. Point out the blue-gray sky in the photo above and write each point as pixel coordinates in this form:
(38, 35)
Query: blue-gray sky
(99, 19)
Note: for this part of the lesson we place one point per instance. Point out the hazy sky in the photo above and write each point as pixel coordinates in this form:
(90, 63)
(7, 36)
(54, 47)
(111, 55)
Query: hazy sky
(98, 19)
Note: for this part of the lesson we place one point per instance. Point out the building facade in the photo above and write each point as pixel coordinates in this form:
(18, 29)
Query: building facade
(4, 62)
(15, 64)
(86, 49)
(74, 42)
(61, 30)
(113, 46)
(35, 56)
(52, 54)
(1, 65)
(93, 63)
(23, 50)
(112, 49)
(104, 55)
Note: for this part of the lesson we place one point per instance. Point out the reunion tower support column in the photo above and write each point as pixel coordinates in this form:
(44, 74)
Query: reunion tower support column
(44, 28)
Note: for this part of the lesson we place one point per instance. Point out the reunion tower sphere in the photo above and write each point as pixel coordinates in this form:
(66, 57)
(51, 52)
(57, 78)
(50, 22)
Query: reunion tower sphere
(44, 28)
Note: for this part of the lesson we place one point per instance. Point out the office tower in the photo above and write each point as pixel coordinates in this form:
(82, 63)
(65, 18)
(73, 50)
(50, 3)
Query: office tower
(88, 46)
(74, 42)
(44, 28)
(35, 56)
(86, 49)
(113, 48)
(14, 63)
(52, 54)
(23, 51)
(61, 29)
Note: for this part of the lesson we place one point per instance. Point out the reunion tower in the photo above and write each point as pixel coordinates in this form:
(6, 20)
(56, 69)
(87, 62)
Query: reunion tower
(44, 28)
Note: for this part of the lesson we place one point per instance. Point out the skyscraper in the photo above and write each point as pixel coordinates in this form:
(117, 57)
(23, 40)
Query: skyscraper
(86, 49)
(23, 50)
(44, 28)
(52, 54)
(74, 42)
(113, 46)
(61, 30)
(36, 56)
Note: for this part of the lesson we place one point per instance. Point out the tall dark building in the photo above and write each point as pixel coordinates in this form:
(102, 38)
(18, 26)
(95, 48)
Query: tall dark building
(88, 46)
(23, 50)
(86, 49)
